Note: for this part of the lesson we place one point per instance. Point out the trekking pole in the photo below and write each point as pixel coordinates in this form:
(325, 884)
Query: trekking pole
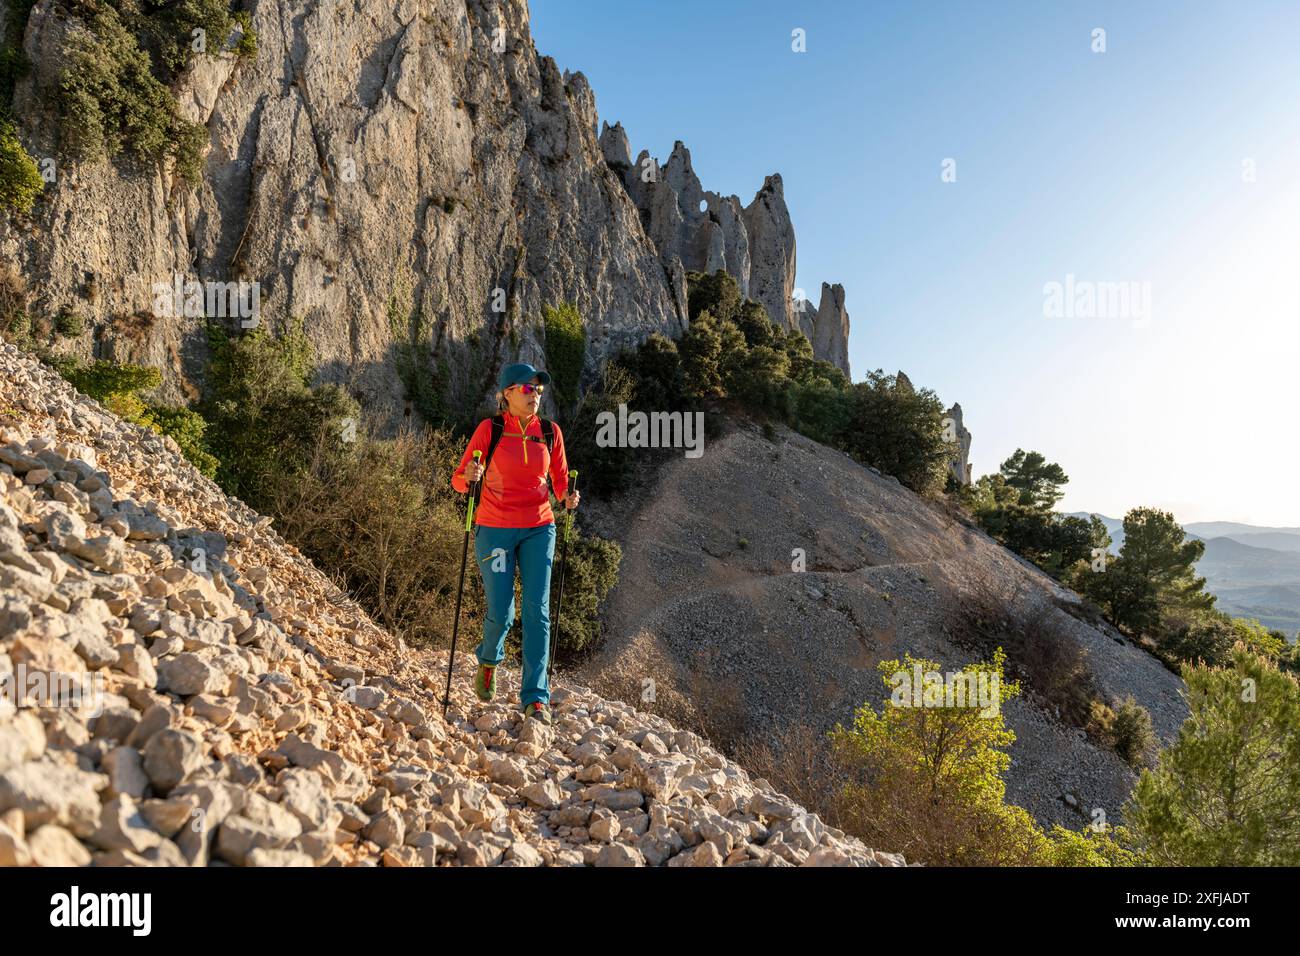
(559, 597)
(460, 588)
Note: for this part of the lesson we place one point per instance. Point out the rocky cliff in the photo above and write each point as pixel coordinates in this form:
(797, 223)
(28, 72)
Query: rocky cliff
(407, 178)
(182, 687)
(705, 232)
(960, 436)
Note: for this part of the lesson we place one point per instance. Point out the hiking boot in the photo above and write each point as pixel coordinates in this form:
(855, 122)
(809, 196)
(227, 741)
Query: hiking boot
(485, 681)
(538, 711)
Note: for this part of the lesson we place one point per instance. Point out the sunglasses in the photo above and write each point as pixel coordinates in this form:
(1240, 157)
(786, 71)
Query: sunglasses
(527, 389)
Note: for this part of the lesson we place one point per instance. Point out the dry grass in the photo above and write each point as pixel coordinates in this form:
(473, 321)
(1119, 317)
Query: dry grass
(1041, 653)
(800, 762)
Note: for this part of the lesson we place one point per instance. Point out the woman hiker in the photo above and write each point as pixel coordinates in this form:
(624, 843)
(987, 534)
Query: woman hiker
(516, 527)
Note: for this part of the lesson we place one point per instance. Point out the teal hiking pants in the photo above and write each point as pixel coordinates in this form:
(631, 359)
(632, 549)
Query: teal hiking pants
(499, 551)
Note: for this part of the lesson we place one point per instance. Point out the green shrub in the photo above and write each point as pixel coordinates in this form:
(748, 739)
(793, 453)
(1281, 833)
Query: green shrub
(1271, 644)
(820, 410)
(1131, 732)
(716, 293)
(13, 61)
(188, 429)
(247, 45)
(118, 386)
(110, 98)
(20, 179)
(753, 321)
(655, 368)
(1088, 847)
(566, 350)
(756, 376)
(1226, 792)
(591, 572)
(115, 386)
(1194, 637)
(69, 324)
(17, 329)
(703, 348)
(927, 780)
(166, 30)
(266, 420)
(188, 143)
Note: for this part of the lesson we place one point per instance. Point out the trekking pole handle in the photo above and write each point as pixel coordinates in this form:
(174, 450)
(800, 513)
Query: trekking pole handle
(469, 507)
(573, 483)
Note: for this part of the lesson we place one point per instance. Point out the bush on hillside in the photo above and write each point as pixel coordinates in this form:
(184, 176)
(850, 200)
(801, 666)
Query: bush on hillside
(928, 780)
(591, 573)
(267, 421)
(118, 388)
(1226, 792)
(1040, 651)
(381, 518)
(657, 380)
(1131, 730)
(704, 347)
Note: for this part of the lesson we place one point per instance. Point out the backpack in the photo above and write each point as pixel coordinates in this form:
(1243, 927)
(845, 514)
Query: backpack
(498, 429)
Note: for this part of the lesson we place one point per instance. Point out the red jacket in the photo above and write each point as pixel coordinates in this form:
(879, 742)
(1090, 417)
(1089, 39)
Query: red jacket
(514, 487)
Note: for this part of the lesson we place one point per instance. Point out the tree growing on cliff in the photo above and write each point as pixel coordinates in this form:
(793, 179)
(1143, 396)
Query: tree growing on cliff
(898, 430)
(1036, 479)
(20, 180)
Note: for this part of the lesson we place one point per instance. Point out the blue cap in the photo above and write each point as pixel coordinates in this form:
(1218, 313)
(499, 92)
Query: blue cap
(519, 373)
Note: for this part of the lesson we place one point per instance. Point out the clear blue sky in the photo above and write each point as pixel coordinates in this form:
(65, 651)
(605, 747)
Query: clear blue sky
(1119, 166)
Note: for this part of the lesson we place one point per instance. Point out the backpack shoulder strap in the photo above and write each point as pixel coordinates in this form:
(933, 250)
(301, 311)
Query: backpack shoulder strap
(498, 429)
(548, 436)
